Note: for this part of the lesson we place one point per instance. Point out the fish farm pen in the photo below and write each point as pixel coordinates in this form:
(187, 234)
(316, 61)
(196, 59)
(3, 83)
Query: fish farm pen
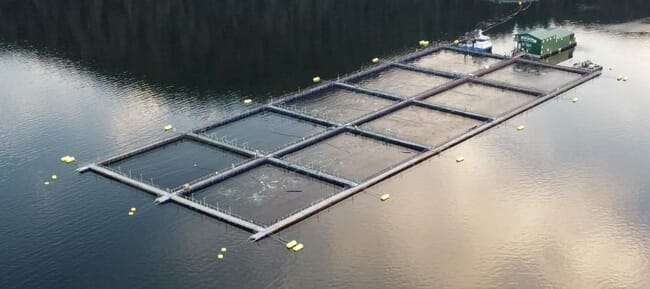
(353, 133)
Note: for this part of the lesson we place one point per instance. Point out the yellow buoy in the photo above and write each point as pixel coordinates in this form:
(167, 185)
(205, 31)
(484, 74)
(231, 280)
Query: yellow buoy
(68, 159)
(521, 127)
(624, 78)
(456, 41)
(521, 3)
(298, 247)
(130, 213)
(133, 209)
(460, 159)
(316, 79)
(384, 197)
(54, 177)
(619, 78)
(248, 101)
(46, 183)
(224, 249)
(220, 256)
(424, 43)
(168, 127)
(375, 60)
(575, 99)
(292, 244)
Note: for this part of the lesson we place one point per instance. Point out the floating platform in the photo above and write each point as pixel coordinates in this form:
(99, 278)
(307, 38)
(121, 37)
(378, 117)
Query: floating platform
(315, 148)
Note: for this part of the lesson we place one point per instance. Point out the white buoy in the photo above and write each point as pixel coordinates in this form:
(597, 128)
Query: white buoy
(292, 244)
(68, 159)
(316, 79)
(168, 127)
(298, 247)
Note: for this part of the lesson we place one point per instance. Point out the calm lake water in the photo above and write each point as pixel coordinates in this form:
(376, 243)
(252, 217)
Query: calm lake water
(562, 204)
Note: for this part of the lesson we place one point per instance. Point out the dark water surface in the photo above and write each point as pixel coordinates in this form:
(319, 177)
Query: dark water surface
(562, 204)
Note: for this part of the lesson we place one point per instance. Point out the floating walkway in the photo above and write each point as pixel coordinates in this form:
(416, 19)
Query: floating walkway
(494, 71)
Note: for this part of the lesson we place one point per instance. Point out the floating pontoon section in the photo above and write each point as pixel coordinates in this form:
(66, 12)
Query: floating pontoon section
(274, 165)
